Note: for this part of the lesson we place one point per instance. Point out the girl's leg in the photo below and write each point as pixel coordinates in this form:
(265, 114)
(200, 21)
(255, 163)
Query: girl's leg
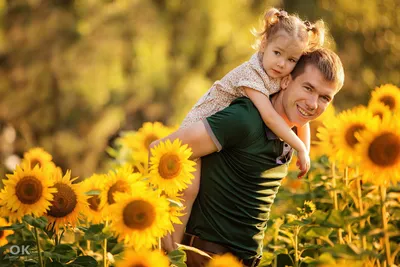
(189, 196)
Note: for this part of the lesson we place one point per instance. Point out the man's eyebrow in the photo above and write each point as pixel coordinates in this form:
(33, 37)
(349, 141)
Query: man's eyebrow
(309, 85)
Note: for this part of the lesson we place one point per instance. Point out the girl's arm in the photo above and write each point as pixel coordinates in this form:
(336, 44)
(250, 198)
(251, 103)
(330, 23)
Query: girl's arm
(304, 134)
(273, 120)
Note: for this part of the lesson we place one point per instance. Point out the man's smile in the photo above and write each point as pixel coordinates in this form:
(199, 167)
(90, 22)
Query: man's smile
(303, 112)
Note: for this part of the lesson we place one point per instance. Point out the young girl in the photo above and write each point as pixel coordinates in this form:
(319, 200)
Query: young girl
(283, 40)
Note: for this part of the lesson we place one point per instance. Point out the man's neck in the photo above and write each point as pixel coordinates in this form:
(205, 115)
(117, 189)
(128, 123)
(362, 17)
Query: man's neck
(277, 103)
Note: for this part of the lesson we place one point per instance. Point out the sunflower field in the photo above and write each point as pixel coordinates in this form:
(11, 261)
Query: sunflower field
(346, 211)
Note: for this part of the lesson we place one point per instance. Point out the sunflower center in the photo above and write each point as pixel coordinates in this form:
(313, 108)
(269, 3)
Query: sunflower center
(169, 166)
(384, 150)
(378, 113)
(388, 101)
(119, 186)
(138, 265)
(29, 190)
(35, 162)
(65, 201)
(94, 202)
(1, 234)
(349, 136)
(139, 214)
(149, 139)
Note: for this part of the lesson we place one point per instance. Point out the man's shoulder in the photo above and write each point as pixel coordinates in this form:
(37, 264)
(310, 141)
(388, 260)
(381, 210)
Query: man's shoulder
(243, 105)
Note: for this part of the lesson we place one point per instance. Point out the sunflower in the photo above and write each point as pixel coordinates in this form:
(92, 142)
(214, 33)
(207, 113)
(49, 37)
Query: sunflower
(27, 191)
(315, 149)
(37, 156)
(387, 94)
(145, 258)
(379, 109)
(94, 183)
(226, 260)
(325, 134)
(140, 141)
(379, 147)
(4, 233)
(350, 122)
(171, 170)
(68, 204)
(140, 218)
(118, 180)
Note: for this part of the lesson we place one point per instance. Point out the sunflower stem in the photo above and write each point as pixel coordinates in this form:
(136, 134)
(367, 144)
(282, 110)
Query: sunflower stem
(346, 180)
(38, 247)
(361, 209)
(335, 199)
(385, 225)
(105, 248)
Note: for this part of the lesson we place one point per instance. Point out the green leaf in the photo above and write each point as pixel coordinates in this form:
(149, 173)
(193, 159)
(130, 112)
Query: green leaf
(84, 261)
(281, 251)
(177, 258)
(95, 233)
(316, 232)
(308, 260)
(93, 193)
(174, 203)
(54, 264)
(40, 222)
(62, 252)
(267, 258)
(15, 226)
(335, 219)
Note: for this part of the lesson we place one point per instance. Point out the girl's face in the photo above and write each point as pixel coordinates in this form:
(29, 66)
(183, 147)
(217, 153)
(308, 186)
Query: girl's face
(281, 54)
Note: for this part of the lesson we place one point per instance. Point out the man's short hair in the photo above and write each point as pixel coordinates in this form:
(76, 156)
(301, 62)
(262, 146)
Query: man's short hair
(327, 61)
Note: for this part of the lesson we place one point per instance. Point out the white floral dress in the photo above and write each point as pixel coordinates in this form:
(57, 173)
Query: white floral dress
(249, 74)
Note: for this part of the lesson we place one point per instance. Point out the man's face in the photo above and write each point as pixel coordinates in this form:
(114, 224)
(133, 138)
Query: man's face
(306, 97)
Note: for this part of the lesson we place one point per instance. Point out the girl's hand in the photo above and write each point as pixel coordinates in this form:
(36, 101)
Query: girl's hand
(303, 163)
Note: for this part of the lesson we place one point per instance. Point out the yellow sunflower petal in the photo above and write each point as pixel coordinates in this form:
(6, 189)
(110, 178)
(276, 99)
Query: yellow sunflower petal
(226, 260)
(315, 149)
(379, 147)
(171, 170)
(387, 94)
(4, 233)
(119, 180)
(95, 211)
(30, 191)
(69, 203)
(140, 218)
(38, 156)
(144, 258)
(348, 123)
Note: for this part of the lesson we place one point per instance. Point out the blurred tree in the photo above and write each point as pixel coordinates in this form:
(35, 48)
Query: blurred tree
(75, 73)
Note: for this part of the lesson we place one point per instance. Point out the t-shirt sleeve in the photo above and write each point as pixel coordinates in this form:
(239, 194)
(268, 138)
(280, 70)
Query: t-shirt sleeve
(229, 126)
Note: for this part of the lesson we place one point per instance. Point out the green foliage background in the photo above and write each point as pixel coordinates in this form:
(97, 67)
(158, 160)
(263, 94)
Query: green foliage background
(75, 73)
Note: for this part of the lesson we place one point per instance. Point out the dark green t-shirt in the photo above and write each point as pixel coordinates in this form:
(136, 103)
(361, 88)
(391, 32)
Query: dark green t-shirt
(239, 183)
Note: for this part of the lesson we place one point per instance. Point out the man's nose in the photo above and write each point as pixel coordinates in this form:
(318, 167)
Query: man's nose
(312, 102)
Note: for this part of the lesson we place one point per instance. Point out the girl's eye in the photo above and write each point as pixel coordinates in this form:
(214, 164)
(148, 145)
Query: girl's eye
(277, 53)
(294, 61)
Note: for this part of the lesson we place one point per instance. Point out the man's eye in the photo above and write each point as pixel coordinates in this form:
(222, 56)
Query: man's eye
(308, 88)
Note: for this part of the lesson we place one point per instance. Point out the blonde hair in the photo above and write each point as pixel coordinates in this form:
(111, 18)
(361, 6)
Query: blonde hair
(276, 20)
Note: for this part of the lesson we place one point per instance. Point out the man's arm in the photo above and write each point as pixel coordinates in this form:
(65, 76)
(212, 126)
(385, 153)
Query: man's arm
(195, 136)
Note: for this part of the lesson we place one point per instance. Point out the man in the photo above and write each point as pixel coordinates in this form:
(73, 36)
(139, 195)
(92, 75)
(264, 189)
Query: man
(243, 161)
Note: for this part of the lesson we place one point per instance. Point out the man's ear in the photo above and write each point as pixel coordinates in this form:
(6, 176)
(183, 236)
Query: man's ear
(285, 81)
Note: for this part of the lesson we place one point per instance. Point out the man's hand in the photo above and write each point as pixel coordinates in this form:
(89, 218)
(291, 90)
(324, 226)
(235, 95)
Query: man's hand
(303, 163)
